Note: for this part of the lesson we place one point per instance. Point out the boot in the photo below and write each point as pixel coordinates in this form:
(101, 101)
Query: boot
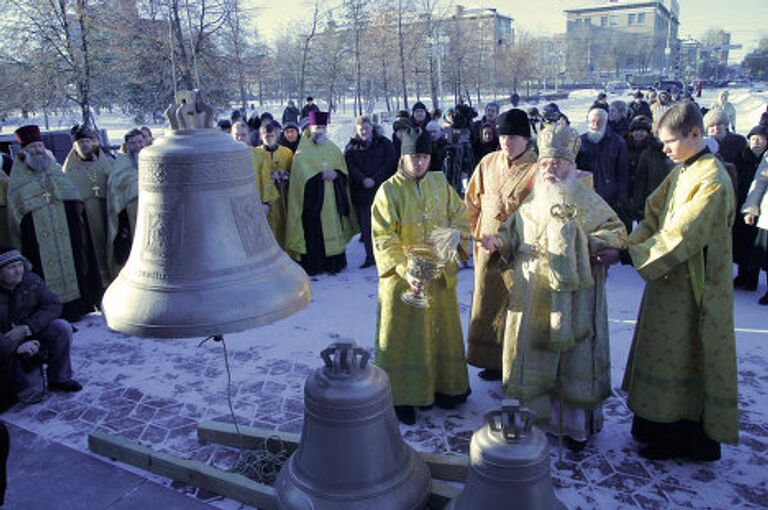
(751, 276)
(764, 300)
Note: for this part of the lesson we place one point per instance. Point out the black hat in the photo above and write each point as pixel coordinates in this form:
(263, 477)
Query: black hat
(640, 122)
(513, 122)
(758, 130)
(418, 105)
(415, 141)
(602, 96)
(80, 131)
(639, 95)
(28, 134)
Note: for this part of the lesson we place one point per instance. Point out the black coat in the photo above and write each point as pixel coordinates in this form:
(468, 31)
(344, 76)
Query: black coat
(731, 147)
(641, 108)
(291, 114)
(607, 160)
(652, 168)
(309, 108)
(31, 303)
(376, 161)
(744, 235)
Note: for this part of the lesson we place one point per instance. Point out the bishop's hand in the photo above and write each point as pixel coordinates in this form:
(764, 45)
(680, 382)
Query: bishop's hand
(491, 243)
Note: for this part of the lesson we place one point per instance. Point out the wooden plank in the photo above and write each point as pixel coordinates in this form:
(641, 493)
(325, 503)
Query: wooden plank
(447, 467)
(253, 437)
(442, 493)
(444, 467)
(198, 474)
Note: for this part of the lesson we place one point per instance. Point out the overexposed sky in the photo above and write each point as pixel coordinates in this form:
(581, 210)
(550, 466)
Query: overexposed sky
(745, 19)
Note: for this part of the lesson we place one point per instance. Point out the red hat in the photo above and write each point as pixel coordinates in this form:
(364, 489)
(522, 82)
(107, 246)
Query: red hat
(28, 134)
(318, 118)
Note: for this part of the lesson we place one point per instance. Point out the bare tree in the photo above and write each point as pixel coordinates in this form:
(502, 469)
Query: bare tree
(306, 41)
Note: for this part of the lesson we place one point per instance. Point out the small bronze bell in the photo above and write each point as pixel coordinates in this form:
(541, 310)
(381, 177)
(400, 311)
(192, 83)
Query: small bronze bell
(351, 455)
(509, 464)
(203, 260)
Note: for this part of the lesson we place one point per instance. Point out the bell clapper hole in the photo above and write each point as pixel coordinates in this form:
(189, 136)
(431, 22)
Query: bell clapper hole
(259, 465)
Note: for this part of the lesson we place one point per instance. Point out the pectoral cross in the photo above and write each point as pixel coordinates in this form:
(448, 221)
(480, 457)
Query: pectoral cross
(95, 189)
(47, 196)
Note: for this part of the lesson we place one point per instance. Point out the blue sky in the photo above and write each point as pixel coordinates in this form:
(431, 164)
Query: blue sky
(745, 19)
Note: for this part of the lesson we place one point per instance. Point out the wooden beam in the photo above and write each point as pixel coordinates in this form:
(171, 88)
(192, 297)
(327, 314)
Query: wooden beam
(445, 467)
(442, 494)
(223, 433)
(198, 474)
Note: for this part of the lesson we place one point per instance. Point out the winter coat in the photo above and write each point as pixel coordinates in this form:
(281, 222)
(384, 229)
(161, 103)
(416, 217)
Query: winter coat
(641, 108)
(376, 161)
(743, 234)
(620, 127)
(757, 199)
(731, 147)
(309, 108)
(607, 160)
(439, 151)
(31, 303)
(653, 167)
(634, 150)
(291, 114)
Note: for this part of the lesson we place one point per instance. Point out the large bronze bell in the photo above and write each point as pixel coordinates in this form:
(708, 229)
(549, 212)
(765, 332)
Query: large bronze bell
(351, 455)
(509, 464)
(203, 260)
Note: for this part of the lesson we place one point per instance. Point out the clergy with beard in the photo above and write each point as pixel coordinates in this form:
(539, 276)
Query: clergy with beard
(499, 184)
(559, 243)
(421, 349)
(47, 221)
(123, 202)
(604, 154)
(320, 219)
(88, 168)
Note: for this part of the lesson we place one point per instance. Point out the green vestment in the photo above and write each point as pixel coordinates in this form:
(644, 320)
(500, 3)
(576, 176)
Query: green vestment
(122, 195)
(42, 194)
(90, 178)
(682, 364)
(311, 159)
(422, 350)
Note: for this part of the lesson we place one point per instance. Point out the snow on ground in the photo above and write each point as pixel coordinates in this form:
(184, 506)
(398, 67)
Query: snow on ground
(156, 391)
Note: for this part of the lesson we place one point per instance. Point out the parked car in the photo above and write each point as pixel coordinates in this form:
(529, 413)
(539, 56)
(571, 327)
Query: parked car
(741, 83)
(616, 87)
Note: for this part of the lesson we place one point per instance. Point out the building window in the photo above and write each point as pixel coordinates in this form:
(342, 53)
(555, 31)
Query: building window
(604, 21)
(632, 19)
(641, 18)
(614, 21)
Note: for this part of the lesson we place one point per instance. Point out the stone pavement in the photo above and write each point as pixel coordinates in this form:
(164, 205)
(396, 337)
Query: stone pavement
(48, 476)
(157, 391)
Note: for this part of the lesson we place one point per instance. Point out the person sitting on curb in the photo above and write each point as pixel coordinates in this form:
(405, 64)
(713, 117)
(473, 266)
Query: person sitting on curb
(32, 332)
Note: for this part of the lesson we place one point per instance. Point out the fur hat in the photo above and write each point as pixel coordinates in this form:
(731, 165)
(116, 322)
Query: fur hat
(758, 130)
(640, 122)
(513, 122)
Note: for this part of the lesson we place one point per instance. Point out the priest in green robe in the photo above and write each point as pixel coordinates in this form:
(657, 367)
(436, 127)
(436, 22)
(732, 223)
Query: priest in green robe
(681, 374)
(558, 243)
(320, 219)
(123, 202)
(421, 349)
(88, 167)
(47, 221)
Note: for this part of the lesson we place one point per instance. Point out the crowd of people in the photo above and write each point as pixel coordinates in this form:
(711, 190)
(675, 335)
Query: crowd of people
(541, 209)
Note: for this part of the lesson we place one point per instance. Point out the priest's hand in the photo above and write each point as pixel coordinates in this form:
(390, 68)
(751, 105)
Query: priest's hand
(329, 175)
(417, 286)
(368, 183)
(606, 256)
(749, 219)
(491, 243)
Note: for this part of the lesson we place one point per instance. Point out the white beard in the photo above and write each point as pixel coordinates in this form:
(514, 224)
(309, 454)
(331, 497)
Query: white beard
(545, 195)
(41, 163)
(596, 136)
(319, 139)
